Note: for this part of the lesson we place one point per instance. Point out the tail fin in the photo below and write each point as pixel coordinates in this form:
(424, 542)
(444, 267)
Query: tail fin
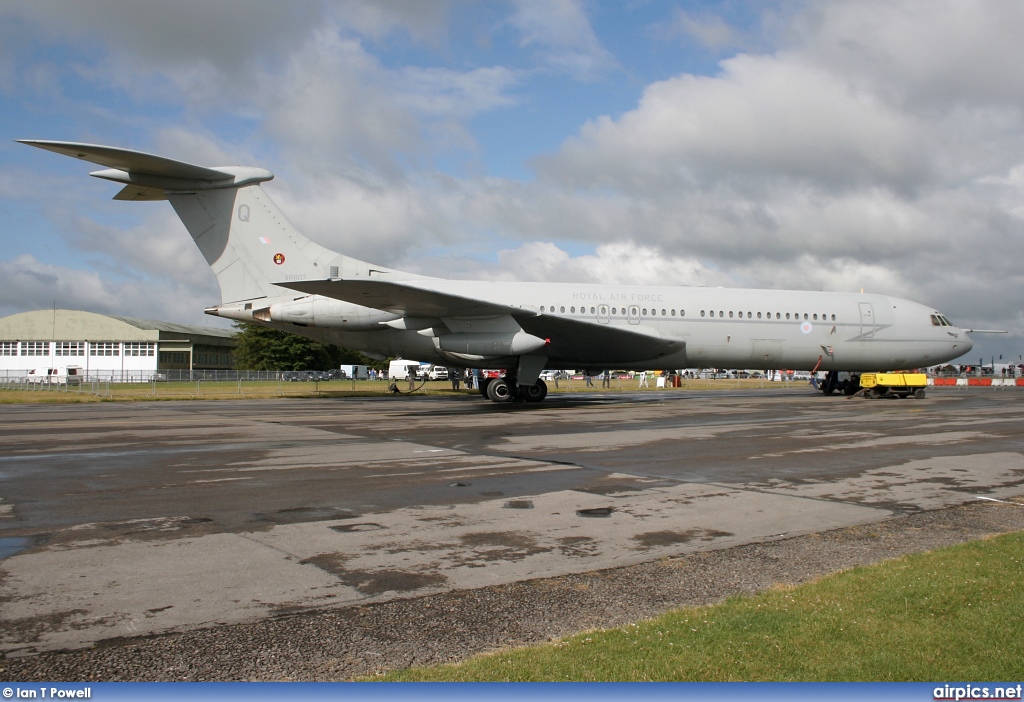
(243, 236)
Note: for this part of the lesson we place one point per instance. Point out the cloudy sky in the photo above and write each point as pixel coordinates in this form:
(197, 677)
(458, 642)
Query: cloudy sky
(809, 145)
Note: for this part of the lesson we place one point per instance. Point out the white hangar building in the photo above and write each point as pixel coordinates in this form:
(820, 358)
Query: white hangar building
(110, 347)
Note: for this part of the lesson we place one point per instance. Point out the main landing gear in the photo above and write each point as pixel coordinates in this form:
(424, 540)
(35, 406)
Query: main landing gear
(846, 383)
(504, 389)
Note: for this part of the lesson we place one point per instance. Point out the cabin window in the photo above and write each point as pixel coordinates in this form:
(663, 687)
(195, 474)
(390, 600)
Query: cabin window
(682, 313)
(644, 312)
(572, 310)
(673, 313)
(730, 314)
(759, 315)
(805, 315)
(749, 315)
(542, 308)
(712, 313)
(815, 316)
(561, 309)
(833, 318)
(702, 313)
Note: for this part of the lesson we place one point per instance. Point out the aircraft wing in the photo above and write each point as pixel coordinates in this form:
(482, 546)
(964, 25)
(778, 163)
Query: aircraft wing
(404, 298)
(571, 339)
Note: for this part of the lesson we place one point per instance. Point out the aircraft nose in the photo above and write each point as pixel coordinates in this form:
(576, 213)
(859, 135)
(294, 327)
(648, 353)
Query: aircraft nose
(968, 343)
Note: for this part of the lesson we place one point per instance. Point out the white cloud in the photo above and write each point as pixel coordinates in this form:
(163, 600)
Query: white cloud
(560, 32)
(933, 53)
(761, 117)
(31, 284)
(425, 22)
(709, 30)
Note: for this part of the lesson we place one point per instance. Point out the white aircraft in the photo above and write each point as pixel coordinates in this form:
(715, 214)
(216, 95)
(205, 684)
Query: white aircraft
(262, 262)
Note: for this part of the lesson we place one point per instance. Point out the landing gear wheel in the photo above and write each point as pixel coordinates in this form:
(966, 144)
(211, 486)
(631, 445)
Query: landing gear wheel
(919, 394)
(536, 392)
(498, 390)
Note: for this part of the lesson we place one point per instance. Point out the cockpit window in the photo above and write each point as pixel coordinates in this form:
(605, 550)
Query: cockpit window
(939, 321)
(935, 321)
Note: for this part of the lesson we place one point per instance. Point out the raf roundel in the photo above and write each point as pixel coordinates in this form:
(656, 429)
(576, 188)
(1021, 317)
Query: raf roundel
(279, 258)
(806, 327)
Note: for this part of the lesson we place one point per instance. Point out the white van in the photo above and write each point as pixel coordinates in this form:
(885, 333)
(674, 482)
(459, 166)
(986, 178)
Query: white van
(401, 369)
(56, 376)
(354, 372)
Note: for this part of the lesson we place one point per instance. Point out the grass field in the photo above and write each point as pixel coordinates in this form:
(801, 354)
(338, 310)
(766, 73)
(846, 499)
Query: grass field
(213, 390)
(952, 614)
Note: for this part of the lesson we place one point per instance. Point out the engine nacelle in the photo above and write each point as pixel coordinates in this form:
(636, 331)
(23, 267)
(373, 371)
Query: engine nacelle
(309, 311)
(491, 343)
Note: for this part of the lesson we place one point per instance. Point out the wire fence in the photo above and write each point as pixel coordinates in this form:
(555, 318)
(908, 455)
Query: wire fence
(241, 383)
(196, 383)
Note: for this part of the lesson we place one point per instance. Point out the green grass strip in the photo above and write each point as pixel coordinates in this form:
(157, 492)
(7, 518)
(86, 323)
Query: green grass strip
(952, 614)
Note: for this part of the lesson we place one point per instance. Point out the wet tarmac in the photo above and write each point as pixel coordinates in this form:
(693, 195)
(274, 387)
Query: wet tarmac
(122, 520)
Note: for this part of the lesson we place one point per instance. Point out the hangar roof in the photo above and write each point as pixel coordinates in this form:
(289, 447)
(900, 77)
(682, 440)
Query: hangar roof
(76, 325)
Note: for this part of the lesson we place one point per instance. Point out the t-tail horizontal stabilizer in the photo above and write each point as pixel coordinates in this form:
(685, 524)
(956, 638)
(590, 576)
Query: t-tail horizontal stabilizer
(150, 177)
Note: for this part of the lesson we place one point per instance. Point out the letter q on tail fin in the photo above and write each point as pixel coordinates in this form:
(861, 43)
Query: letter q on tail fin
(244, 237)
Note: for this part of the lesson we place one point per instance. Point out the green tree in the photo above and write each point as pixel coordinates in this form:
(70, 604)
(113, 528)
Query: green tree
(262, 348)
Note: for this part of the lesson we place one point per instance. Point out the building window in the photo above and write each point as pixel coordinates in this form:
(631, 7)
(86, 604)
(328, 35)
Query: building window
(35, 348)
(138, 348)
(8, 348)
(69, 348)
(179, 358)
(104, 348)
